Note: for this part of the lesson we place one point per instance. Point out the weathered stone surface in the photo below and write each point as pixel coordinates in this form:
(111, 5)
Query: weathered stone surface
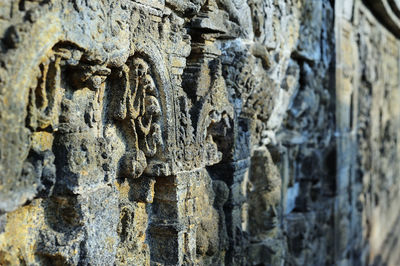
(177, 132)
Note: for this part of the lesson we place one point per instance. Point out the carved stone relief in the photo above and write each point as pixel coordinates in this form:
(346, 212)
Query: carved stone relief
(146, 132)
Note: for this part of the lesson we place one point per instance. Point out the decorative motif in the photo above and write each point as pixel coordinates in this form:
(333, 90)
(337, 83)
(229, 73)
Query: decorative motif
(137, 107)
(45, 99)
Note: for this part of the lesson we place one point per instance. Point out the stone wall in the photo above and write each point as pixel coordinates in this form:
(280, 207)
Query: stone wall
(367, 90)
(194, 132)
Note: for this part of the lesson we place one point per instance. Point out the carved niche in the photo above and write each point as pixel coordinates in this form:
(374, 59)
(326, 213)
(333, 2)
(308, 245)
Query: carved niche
(133, 98)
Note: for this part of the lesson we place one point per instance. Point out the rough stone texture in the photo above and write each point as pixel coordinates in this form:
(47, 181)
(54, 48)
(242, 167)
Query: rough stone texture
(193, 132)
(367, 213)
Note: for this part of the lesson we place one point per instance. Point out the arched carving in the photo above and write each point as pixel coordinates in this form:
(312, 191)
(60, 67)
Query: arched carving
(388, 12)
